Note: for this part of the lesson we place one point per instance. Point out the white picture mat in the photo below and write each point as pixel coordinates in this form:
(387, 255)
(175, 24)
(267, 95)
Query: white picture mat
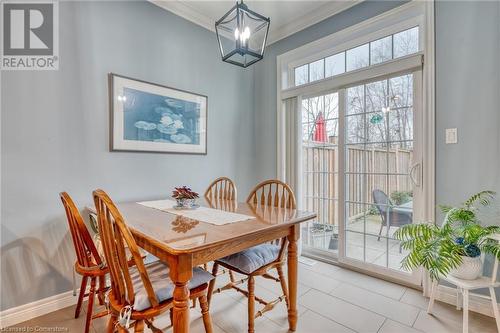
(202, 214)
(119, 143)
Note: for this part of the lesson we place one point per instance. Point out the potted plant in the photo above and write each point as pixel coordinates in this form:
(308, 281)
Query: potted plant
(454, 247)
(185, 197)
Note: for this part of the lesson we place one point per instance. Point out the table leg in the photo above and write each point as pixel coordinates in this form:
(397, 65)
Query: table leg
(292, 278)
(180, 273)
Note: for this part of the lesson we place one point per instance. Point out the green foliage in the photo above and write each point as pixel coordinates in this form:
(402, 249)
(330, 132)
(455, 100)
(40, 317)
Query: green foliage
(440, 249)
(372, 210)
(401, 197)
(484, 198)
(397, 197)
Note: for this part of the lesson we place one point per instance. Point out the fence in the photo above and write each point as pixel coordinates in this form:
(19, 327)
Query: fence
(366, 169)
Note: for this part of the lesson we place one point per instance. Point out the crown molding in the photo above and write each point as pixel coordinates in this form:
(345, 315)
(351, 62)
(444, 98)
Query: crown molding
(310, 18)
(186, 11)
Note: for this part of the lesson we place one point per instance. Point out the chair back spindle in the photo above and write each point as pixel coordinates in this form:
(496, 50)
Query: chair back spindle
(86, 252)
(222, 188)
(115, 236)
(273, 193)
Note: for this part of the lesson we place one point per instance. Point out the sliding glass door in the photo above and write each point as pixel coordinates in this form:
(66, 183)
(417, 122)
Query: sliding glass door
(381, 170)
(360, 171)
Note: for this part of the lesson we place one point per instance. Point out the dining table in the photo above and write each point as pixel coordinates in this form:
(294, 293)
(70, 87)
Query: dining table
(183, 243)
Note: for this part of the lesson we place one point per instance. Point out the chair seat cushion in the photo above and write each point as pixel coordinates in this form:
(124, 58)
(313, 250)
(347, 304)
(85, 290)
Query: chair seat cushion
(162, 284)
(251, 259)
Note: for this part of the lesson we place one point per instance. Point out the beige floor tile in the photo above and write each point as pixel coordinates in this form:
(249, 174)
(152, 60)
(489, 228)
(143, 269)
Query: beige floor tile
(275, 287)
(443, 324)
(444, 310)
(322, 268)
(378, 286)
(63, 319)
(385, 306)
(311, 322)
(231, 315)
(317, 281)
(415, 297)
(395, 327)
(342, 312)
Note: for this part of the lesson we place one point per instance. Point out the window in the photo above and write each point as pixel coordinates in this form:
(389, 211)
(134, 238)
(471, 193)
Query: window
(335, 64)
(375, 52)
(381, 50)
(317, 70)
(302, 75)
(358, 57)
(406, 42)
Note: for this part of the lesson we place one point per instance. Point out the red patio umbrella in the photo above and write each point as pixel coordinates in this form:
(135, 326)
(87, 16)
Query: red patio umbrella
(320, 129)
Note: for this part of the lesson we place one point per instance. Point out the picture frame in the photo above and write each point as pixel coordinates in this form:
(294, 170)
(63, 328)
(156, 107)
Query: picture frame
(149, 117)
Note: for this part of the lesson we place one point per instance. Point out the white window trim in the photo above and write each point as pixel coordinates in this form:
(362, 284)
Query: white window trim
(392, 21)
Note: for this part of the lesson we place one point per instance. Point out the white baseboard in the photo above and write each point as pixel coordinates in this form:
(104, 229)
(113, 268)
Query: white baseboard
(477, 303)
(35, 309)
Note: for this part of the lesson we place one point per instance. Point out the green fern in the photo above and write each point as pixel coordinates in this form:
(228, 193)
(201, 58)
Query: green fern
(440, 249)
(484, 198)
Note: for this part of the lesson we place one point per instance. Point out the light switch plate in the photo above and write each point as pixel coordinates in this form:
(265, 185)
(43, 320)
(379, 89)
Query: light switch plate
(451, 136)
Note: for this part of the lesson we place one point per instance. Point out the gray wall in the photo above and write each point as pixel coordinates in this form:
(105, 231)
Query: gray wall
(55, 132)
(468, 98)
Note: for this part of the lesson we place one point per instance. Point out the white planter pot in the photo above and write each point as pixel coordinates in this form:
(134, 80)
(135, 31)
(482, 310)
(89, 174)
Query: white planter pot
(469, 269)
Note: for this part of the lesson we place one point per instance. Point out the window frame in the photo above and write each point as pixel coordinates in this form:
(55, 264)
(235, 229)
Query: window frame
(394, 21)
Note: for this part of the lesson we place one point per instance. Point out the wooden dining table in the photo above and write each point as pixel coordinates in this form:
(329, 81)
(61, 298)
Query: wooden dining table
(184, 243)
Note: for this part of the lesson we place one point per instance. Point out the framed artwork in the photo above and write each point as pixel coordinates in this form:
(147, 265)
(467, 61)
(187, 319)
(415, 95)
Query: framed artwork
(149, 117)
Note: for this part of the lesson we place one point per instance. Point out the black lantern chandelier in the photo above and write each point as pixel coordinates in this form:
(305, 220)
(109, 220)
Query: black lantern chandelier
(242, 35)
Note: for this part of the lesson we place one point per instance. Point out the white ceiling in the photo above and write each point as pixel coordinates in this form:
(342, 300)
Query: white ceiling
(287, 16)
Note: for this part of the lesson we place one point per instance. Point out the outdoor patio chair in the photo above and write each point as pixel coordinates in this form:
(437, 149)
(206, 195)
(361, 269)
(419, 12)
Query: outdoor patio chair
(391, 216)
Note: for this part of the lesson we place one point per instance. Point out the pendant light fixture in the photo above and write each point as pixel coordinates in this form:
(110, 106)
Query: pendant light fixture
(242, 35)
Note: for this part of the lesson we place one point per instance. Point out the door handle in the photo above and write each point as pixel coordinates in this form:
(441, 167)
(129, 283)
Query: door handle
(412, 169)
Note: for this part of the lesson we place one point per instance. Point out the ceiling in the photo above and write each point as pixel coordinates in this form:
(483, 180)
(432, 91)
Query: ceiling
(287, 17)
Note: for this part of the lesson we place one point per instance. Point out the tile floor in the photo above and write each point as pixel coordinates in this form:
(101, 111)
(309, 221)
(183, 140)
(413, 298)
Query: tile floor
(331, 300)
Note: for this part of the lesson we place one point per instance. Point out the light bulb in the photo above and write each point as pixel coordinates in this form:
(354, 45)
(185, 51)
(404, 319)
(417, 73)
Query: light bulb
(236, 33)
(246, 33)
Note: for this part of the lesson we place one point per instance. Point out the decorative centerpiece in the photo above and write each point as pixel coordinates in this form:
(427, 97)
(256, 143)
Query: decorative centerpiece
(185, 197)
(455, 247)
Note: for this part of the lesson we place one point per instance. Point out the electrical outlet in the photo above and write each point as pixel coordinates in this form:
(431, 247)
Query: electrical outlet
(451, 136)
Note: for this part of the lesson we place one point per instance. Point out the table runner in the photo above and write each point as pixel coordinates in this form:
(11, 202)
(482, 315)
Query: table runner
(202, 214)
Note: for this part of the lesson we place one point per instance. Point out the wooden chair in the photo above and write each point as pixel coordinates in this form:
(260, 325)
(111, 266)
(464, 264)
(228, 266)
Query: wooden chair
(465, 286)
(221, 188)
(144, 292)
(89, 263)
(260, 259)
(222, 194)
